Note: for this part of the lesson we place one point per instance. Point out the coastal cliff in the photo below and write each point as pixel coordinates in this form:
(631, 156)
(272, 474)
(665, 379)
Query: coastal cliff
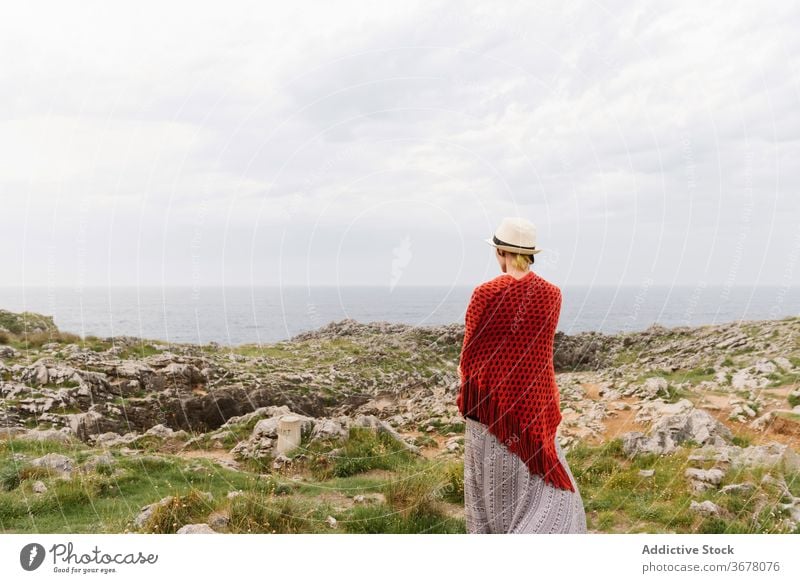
(684, 429)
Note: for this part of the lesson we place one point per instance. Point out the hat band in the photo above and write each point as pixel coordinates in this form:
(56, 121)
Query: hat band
(499, 242)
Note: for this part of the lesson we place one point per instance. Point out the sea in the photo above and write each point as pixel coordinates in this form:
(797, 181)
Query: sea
(261, 315)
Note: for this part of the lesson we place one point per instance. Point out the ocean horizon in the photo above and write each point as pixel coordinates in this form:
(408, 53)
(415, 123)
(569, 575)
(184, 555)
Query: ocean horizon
(234, 315)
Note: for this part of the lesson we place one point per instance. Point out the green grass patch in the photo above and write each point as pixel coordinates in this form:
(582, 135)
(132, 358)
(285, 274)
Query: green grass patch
(277, 514)
(618, 499)
(141, 351)
(382, 518)
(672, 394)
(364, 449)
(168, 518)
(741, 440)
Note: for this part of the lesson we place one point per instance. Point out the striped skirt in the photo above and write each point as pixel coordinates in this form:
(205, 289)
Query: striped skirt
(502, 496)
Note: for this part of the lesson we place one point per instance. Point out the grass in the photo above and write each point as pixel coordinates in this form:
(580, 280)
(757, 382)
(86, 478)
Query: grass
(191, 507)
(19, 323)
(452, 485)
(780, 379)
(788, 415)
(250, 513)
(38, 339)
(414, 491)
(278, 350)
(672, 394)
(108, 499)
(693, 376)
(142, 351)
(443, 428)
(419, 493)
(626, 356)
(383, 519)
(231, 435)
(362, 450)
(618, 499)
(741, 440)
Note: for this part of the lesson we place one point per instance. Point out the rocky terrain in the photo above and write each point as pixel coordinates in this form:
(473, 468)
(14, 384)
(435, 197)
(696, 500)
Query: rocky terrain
(684, 429)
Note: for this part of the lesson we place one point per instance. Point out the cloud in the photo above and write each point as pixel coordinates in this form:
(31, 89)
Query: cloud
(181, 138)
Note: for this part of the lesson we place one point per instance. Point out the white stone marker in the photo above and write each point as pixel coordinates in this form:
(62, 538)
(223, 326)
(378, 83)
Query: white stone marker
(288, 433)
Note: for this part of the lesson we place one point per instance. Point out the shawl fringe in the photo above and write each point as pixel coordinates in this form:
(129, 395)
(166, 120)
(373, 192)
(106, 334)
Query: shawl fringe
(519, 441)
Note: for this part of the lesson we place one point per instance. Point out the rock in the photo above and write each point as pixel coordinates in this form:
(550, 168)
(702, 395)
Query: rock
(658, 408)
(182, 375)
(331, 521)
(36, 374)
(147, 511)
(269, 427)
(670, 431)
(761, 423)
(26, 323)
(263, 439)
(741, 412)
(788, 501)
(764, 366)
(280, 461)
(742, 488)
(733, 341)
(166, 433)
(54, 461)
(110, 439)
(94, 461)
(12, 432)
(712, 476)
(59, 435)
(652, 387)
(327, 428)
(706, 508)
(372, 497)
(218, 520)
(766, 455)
(201, 528)
(7, 352)
(743, 379)
(132, 373)
(752, 456)
(382, 426)
(218, 406)
(452, 444)
(647, 473)
(702, 480)
(86, 425)
(259, 413)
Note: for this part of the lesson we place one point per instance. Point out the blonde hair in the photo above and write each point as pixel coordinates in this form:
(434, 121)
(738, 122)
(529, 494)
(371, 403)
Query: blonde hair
(521, 261)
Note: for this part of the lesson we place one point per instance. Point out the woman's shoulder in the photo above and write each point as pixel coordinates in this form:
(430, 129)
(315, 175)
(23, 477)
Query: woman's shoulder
(487, 287)
(546, 284)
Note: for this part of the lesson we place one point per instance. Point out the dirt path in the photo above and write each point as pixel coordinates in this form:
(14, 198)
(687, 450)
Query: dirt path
(718, 405)
(221, 456)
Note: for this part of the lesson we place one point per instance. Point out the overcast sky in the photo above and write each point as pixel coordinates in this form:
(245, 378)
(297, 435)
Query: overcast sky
(380, 143)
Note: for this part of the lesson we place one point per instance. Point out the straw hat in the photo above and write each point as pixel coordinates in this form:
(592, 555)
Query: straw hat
(516, 235)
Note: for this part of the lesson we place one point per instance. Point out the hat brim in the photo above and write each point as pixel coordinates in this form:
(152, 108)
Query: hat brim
(513, 249)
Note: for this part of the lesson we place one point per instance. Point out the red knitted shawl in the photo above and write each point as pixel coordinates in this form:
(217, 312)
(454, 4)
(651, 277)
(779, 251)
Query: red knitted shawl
(508, 381)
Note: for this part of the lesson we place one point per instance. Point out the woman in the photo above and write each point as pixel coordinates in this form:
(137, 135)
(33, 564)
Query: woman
(516, 478)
